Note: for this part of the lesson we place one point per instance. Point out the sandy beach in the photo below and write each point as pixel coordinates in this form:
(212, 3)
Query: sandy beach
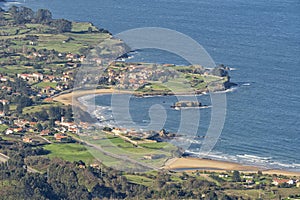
(72, 97)
(192, 164)
(181, 164)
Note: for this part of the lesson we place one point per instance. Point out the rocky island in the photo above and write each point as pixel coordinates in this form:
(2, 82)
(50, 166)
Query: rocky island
(187, 104)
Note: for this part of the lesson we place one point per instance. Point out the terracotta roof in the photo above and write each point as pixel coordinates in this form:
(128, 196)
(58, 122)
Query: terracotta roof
(281, 180)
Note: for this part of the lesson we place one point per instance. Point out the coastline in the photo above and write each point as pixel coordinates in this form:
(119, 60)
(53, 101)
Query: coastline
(176, 164)
(72, 97)
(193, 164)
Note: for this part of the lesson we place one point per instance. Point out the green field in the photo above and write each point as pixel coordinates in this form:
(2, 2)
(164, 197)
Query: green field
(14, 69)
(142, 180)
(117, 146)
(38, 108)
(70, 152)
(82, 26)
(158, 145)
(45, 84)
(3, 127)
(73, 41)
(252, 194)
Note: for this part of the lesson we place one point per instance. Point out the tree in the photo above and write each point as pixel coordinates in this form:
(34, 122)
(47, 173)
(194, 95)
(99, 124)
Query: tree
(108, 129)
(236, 176)
(42, 115)
(39, 127)
(226, 198)
(51, 123)
(26, 14)
(19, 109)
(25, 101)
(43, 16)
(68, 114)
(220, 71)
(259, 173)
(13, 10)
(21, 15)
(62, 25)
(212, 196)
(54, 113)
(6, 108)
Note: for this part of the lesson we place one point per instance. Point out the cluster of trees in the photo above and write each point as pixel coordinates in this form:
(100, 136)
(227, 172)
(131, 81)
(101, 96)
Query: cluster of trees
(221, 71)
(20, 149)
(52, 114)
(4, 108)
(17, 86)
(22, 102)
(23, 15)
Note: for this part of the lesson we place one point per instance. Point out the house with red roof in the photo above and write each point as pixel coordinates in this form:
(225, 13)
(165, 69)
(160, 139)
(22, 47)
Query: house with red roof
(277, 181)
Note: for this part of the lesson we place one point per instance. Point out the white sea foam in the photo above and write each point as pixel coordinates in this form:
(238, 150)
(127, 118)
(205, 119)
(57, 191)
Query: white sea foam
(247, 159)
(7, 5)
(232, 89)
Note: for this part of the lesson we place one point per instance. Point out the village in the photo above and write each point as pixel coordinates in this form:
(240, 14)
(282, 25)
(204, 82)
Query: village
(251, 181)
(41, 84)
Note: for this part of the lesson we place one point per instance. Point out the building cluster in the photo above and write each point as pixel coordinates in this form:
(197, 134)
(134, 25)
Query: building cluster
(136, 75)
(251, 181)
(61, 132)
(140, 137)
(289, 182)
(133, 136)
(51, 84)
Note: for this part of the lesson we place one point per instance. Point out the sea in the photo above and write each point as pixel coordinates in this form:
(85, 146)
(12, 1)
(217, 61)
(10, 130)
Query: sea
(259, 39)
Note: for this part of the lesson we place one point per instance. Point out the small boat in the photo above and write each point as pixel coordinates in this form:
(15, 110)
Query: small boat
(246, 84)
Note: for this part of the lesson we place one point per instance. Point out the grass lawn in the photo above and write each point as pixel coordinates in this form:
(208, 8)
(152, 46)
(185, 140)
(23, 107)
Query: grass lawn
(7, 183)
(10, 138)
(121, 143)
(118, 146)
(3, 127)
(39, 108)
(285, 192)
(70, 152)
(45, 84)
(158, 145)
(82, 26)
(142, 180)
(13, 69)
(253, 194)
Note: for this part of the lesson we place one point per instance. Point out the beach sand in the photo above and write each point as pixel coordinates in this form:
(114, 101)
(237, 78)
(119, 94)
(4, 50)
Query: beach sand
(181, 164)
(72, 97)
(192, 164)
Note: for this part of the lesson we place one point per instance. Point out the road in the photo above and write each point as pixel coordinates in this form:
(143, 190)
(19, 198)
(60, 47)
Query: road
(45, 139)
(124, 158)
